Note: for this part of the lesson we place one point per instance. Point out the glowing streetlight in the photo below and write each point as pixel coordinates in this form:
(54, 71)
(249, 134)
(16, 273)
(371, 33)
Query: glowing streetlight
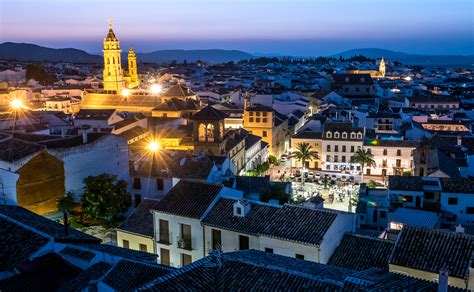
(153, 146)
(408, 78)
(125, 92)
(155, 88)
(16, 104)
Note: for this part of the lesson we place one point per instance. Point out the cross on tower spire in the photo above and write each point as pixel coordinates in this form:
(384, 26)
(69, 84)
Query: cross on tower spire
(111, 21)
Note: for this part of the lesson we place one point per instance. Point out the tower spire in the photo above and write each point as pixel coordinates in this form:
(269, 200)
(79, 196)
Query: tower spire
(111, 21)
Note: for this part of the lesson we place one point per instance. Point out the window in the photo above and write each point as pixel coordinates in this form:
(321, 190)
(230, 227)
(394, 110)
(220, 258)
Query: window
(164, 233)
(165, 115)
(384, 163)
(328, 135)
(336, 148)
(164, 256)
(357, 89)
(429, 196)
(469, 210)
(186, 236)
(137, 183)
(257, 120)
(399, 152)
(336, 158)
(336, 135)
(328, 148)
(398, 162)
(344, 135)
(238, 210)
(186, 259)
(352, 149)
(343, 159)
(251, 120)
(299, 256)
(452, 201)
(408, 199)
(264, 114)
(159, 184)
(328, 158)
(138, 199)
(385, 152)
(359, 135)
(251, 114)
(243, 242)
(125, 243)
(269, 250)
(264, 133)
(344, 148)
(265, 120)
(367, 171)
(142, 247)
(353, 135)
(216, 238)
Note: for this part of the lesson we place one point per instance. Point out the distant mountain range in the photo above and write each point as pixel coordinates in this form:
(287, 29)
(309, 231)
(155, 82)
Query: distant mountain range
(31, 52)
(410, 59)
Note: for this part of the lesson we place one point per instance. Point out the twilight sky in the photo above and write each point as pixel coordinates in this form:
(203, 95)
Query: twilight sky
(294, 27)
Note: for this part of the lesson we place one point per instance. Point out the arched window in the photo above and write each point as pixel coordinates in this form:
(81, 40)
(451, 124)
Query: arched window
(353, 135)
(328, 135)
(210, 133)
(336, 135)
(344, 135)
(202, 132)
(359, 135)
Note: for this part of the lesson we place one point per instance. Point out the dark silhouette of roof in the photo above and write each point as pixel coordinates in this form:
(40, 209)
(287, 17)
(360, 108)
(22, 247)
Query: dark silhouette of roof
(209, 114)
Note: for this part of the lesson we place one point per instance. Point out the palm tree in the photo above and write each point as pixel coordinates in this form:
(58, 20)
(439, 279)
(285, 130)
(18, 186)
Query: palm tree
(364, 158)
(303, 153)
(65, 204)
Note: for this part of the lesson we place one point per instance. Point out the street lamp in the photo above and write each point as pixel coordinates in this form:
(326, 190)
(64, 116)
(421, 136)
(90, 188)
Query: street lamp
(153, 146)
(125, 92)
(155, 88)
(16, 104)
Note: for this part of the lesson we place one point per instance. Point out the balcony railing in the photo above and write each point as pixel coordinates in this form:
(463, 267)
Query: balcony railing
(184, 243)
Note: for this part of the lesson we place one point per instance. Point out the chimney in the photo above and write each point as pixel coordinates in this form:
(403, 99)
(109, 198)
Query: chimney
(459, 229)
(84, 136)
(443, 280)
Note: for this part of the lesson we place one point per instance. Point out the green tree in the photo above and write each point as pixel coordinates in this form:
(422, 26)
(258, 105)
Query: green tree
(406, 173)
(104, 197)
(37, 72)
(66, 204)
(274, 192)
(304, 152)
(272, 160)
(364, 158)
(371, 184)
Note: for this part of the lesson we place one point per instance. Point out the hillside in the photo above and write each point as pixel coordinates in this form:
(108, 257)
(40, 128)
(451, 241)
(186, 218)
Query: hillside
(212, 56)
(409, 59)
(31, 52)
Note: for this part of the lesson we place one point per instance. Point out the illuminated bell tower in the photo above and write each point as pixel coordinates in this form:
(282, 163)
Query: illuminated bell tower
(113, 74)
(382, 67)
(132, 69)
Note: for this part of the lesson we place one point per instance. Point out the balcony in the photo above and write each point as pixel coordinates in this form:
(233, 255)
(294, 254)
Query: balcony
(184, 243)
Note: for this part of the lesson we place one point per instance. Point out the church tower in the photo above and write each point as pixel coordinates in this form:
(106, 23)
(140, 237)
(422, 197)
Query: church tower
(382, 67)
(132, 69)
(113, 74)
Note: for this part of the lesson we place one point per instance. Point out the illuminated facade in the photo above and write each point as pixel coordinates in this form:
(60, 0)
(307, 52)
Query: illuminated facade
(113, 75)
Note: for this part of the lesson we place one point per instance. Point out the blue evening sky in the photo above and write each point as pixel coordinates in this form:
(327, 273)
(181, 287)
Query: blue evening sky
(295, 27)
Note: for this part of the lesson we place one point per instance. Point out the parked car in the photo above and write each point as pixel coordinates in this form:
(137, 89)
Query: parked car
(317, 175)
(343, 178)
(310, 175)
(334, 177)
